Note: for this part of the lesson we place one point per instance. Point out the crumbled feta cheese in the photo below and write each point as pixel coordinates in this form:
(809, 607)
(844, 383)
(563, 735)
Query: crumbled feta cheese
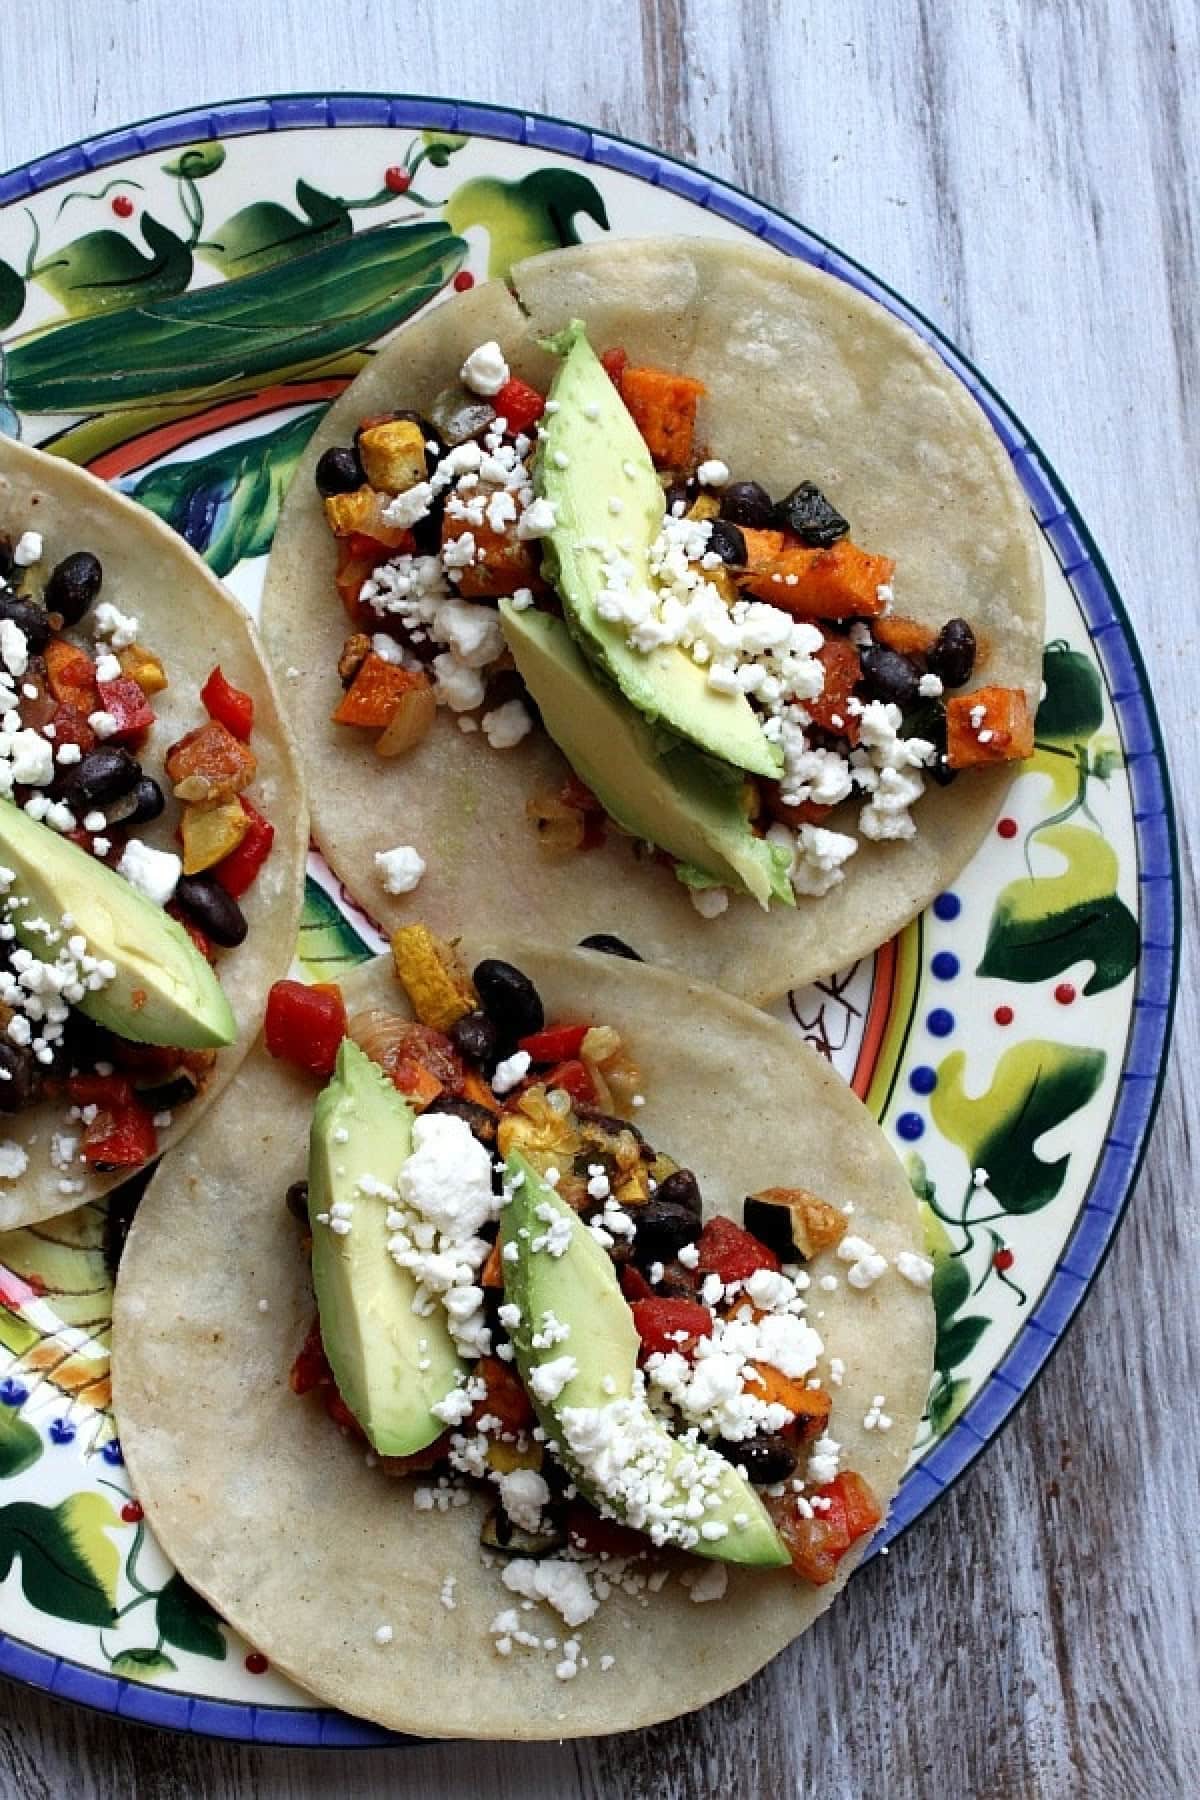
(709, 902)
(713, 473)
(455, 685)
(930, 686)
(538, 519)
(563, 1585)
(154, 873)
(13, 1161)
(109, 622)
(102, 723)
(14, 649)
(510, 1072)
(400, 869)
(866, 1264)
(29, 549)
(548, 1379)
(108, 668)
(485, 370)
(523, 1494)
(506, 725)
(823, 1461)
(409, 507)
(914, 1268)
(447, 1178)
(31, 758)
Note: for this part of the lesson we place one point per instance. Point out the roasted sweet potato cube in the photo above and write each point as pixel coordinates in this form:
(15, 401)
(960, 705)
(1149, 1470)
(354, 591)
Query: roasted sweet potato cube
(906, 636)
(991, 725)
(664, 410)
(502, 563)
(841, 582)
(843, 671)
(374, 694)
(209, 765)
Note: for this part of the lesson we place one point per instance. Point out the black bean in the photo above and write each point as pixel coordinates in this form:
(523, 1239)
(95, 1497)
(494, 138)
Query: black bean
(481, 1122)
(748, 503)
(20, 1077)
(886, 675)
(727, 542)
(953, 655)
(339, 472)
(681, 492)
(942, 773)
(510, 1000)
(6, 556)
(165, 1096)
(74, 586)
(216, 913)
(105, 774)
(808, 513)
(475, 1037)
(610, 945)
(30, 617)
(662, 1229)
(297, 1201)
(143, 802)
(681, 1189)
(764, 1460)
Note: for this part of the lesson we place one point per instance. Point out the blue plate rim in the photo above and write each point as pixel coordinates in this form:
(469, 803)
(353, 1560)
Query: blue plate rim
(1091, 582)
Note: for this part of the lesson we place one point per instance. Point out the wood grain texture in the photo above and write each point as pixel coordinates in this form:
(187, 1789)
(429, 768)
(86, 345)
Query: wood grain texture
(1024, 171)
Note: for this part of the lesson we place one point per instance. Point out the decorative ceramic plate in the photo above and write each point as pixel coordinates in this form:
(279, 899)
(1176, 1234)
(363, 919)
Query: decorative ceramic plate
(235, 267)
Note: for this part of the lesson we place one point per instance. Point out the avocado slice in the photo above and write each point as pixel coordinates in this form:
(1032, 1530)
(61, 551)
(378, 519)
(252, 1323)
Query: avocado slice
(580, 1288)
(673, 797)
(374, 1340)
(593, 452)
(163, 992)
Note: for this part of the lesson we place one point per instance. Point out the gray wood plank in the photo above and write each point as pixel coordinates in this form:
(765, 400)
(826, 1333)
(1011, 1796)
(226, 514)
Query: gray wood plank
(1027, 175)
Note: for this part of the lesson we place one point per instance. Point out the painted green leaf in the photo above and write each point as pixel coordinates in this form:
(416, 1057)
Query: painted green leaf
(105, 271)
(327, 940)
(449, 141)
(951, 1287)
(310, 310)
(197, 161)
(946, 1401)
(1035, 1087)
(1072, 708)
(142, 1665)
(1043, 924)
(525, 217)
(956, 1343)
(12, 296)
(68, 1563)
(186, 1620)
(226, 504)
(20, 1444)
(263, 234)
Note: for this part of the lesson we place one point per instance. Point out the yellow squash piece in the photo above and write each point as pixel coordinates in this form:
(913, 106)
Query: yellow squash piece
(210, 833)
(440, 990)
(141, 665)
(393, 455)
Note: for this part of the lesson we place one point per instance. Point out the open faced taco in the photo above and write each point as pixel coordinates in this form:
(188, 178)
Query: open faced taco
(152, 837)
(558, 1362)
(574, 630)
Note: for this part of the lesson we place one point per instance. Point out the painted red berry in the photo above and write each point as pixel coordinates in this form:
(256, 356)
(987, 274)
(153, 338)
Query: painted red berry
(1064, 993)
(1003, 1259)
(1003, 1015)
(463, 280)
(123, 206)
(257, 1663)
(398, 180)
(131, 1512)
(1007, 828)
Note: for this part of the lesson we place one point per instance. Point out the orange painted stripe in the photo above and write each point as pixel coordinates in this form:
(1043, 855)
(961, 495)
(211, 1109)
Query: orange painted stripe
(124, 458)
(878, 1012)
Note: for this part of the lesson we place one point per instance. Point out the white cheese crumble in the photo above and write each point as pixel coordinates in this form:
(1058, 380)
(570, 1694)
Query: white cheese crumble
(510, 1072)
(548, 1379)
(506, 725)
(29, 549)
(713, 473)
(108, 621)
(916, 1269)
(154, 873)
(400, 869)
(866, 1264)
(485, 370)
(562, 1585)
(13, 1161)
(14, 648)
(709, 902)
(538, 519)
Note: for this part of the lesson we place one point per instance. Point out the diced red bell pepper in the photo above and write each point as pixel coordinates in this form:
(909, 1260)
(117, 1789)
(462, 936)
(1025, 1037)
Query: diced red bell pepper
(506, 1398)
(71, 727)
(111, 1091)
(125, 702)
(305, 1025)
(728, 1251)
(519, 405)
(596, 1536)
(615, 364)
(558, 1043)
(230, 706)
(362, 547)
(634, 1285)
(120, 1137)
(818, 1544)
(311, 1366)
(341, 1415)
(573, 1078)
(240, 868)
(665, 1325)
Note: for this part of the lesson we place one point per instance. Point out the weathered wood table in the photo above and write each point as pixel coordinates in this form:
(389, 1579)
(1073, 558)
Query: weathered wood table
(1026, 174)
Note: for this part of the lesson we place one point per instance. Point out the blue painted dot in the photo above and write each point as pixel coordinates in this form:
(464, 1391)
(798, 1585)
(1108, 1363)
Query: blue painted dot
(111, 1452)
(940, 1022)
(945, 965)
(61, 1432)
(923, 1079)
(12, 1393)
(911, 1126)
(947, 906)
